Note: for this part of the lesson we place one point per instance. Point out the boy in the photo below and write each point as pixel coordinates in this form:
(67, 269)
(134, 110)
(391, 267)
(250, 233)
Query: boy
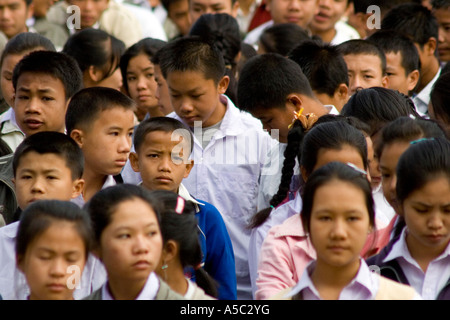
(178, 14)
(44, 82)
(402, 60)
(366, 64)
(46, 165)
(101, 121)
(14, 15)
(163, 162)
(230, 146)
(418, 23)
(199, 7)
(441, 10)
(326, 71)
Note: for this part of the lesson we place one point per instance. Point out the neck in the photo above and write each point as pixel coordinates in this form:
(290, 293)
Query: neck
(93, 182)
(173, 275)
(325, 35)
(245, 5)
(315, 106)
(427, 74)
(125, 289)
(423, 255)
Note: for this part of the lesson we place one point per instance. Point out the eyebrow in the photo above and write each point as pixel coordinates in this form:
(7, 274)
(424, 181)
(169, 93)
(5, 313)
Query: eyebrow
(45, 90)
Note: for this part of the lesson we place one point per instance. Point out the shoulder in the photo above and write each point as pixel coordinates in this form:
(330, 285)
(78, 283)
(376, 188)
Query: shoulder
(392, 290)
(96, 295)
(166, 293)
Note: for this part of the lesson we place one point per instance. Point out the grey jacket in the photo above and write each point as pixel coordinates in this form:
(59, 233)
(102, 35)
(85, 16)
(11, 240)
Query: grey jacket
(8, 201)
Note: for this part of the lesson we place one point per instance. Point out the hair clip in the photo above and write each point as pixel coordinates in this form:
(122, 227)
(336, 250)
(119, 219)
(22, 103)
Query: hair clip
(180, 205)
(351, 165)
(297, 116)
(420, 140)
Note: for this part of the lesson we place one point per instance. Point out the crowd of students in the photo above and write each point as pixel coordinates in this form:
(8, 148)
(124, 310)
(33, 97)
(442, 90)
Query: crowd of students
(240, 150)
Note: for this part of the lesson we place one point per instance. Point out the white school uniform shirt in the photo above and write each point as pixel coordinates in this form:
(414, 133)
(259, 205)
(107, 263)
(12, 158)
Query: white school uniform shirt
(148, 292)
(422, 99)
(13, 284)
(344, 32)
(10, 131)
(109, 182)
(428, 284)
(227, 174)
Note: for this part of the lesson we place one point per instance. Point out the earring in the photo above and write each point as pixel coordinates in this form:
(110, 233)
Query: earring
(164, 266)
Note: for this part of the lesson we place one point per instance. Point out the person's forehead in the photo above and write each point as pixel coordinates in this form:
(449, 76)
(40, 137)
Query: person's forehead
(361, 61)
(11, 2)
(211, 3)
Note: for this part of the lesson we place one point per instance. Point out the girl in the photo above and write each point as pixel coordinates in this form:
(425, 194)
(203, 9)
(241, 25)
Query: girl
(182, 250)
(127, 239)
(52, 247)
(338, 214)
(438, 107)
(139, 80)
(275, 257)
(421, 254)
(98, 55)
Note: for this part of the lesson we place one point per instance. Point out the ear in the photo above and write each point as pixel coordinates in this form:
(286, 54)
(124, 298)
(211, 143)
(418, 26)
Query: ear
(94, 73)
(170, 251)
(78, 186)
(77, 136)
(223, 84)
(30, 11)
(295, 101)
(234, 9)
(431, 46)
(385, 82)
(189, 166)
(413, 79)
(341, 95)
(134, 161)
(304, 174)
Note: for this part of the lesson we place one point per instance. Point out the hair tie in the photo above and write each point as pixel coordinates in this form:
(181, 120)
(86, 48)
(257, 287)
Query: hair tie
(420, 140)
(351, 165)
(199, 266)
(180, 205)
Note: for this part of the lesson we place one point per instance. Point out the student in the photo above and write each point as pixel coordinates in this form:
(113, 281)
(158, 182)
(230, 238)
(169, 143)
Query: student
(281, 38)
(138, 77)
(230, 146)
(182, 250)
(418, 22)
(299, 12)
(98, 55)
(441, 10)
(402, 60)
(438, 108)
(394, 140)
(44, 82)
(128, 241)
(177, 15)
(326, 71)
(14, 14)
(328, 25)
(101, 122)
(53, 238)
(420, 255)
(366, 64)
(16, 48)
(162, 91)
(199, 7)
(157, 143)
(335, 229)
(47, 165)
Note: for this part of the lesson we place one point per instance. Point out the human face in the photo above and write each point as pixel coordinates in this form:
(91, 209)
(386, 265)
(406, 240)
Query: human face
(162, 92)
(199, 7)
(9, 62)
(131, 245)
(13, 17)
(41, 7)
(114, 81)
(398, 79)
(141, 84)
(345, 154)
(427, 216)
(300, 12)
(157, 160)
(195, 98)
(388, 165)
(179, 14)
(106, 144)
(40, 103)
(372, 161)
(339, 224)
(443, 17)
(90, 11)
(364, 71)
(330, 12)
(44, 176)
(276, 119)
(47, 261)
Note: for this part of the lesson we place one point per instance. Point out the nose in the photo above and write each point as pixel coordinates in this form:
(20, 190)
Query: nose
(38, 186)
(124, 144)
(33, 106)
(294, 5)
(435, 221)
(58, 268)
(140, 245)
(338, 230)
(142, 83)
(355, 84)
(186, 106)
(324, 3)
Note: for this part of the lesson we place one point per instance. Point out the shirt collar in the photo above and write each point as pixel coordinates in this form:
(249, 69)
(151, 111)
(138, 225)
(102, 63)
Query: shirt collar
(10, 230)
(184, 193)
(148, 292)
(422, 99)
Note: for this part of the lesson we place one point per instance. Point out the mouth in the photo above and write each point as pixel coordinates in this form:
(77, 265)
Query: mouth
(435, 237)
(121, 162)
(164, 179)
(33, 123)
(293, 19)
(56, 287)
(336, 249)
(321, 17)
(141, 265)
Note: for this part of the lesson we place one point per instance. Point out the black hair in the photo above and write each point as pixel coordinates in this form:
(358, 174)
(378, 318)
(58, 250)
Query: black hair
(95, 47)
(440, 4)
(88, 103)
(422, 162)
(384, 5)
(267, 79)
(414, 20)
(439, 98)
(24, 42)
(282, 38)
(395, 42)
(56, 64)
(148, 46)
(101, 207)
(322, 64)
(165, 124)
(304, 147)
(362, 46)
(247, 52)
(38, 217)
(191, 53)
(55, 143)
(181, 227)
(378, 106)
(329, 172)
(221, 30)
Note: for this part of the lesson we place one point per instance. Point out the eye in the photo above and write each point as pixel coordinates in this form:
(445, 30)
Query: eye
(131, 78)
(47, 98)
